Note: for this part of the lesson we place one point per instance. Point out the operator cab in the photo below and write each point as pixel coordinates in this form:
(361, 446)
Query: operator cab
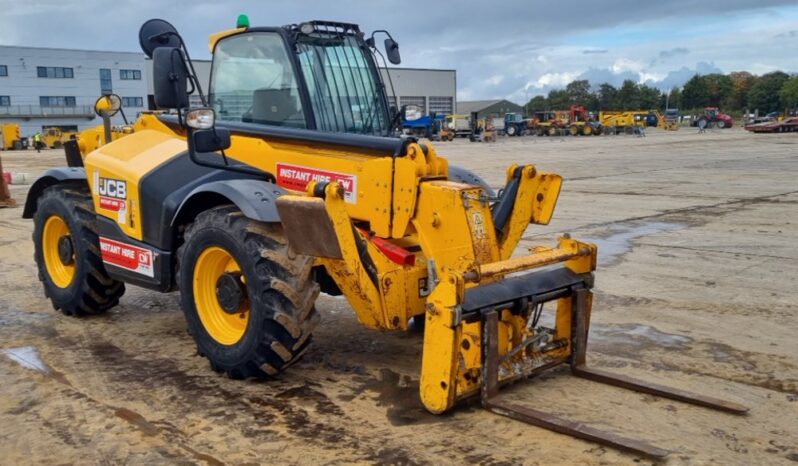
(317, 75)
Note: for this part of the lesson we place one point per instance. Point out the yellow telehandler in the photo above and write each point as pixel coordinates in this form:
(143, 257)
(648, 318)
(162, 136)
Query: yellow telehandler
(292, 178)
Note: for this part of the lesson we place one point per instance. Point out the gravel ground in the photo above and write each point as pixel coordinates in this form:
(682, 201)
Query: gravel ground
(696, 288)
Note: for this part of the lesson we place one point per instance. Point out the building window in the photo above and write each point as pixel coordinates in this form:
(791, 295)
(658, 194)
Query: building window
(57, 101)
(130, 75)
(106, 85)
(3, 70)
(5, 101)
(54, 72)
(441, 105)
(132, 102)
(420, 102)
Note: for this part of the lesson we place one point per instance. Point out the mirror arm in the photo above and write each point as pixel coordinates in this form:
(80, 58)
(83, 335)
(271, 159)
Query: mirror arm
(195, 85)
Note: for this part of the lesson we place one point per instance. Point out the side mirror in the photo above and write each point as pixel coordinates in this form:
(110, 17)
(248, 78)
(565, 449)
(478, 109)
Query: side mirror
(169, 78)
(205, 137)
(108, 104)
(392, 50)
(210, 140)
(411, 112)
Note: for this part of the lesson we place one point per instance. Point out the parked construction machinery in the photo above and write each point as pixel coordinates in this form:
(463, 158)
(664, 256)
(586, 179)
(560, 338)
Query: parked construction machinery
(547, 123)
(54, 137)
(282, 185)
(10, 137)
(459, 125)
(669, 121)
(628, 122)
(580, 123)
(515, 124)
(481, 129)
(712, 117)
(784, 125)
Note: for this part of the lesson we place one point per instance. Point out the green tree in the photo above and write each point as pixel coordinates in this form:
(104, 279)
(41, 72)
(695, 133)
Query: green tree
(673, 99)
(558, 99)
(629, 96)
(764, 93)
(789, 93)
(607, 96)
(649, 97)
(720, 88)
(578, 92)
(536, 104)
(695, 93)
(741, 84)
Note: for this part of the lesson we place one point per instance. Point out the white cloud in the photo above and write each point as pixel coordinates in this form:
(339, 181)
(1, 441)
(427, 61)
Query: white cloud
(553, 80)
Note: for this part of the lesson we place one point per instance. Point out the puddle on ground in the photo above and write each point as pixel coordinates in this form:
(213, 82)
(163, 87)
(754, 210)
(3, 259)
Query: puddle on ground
(631, 338)
(619, 242)
(28, 357)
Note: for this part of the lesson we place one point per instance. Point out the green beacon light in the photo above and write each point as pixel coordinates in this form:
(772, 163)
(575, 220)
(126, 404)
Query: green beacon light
(242, 21)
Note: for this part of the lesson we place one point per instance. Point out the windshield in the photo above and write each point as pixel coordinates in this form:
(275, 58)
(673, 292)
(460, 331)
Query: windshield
(344, 91)
(252, 81)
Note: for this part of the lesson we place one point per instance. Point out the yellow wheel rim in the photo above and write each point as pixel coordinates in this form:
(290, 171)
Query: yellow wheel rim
(225, 328)
(60, 273)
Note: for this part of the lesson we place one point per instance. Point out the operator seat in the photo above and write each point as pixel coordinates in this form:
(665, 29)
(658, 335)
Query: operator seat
(274, 107)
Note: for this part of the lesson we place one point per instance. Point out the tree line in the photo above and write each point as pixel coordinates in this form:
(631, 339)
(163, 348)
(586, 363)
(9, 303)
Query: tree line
(733, 93)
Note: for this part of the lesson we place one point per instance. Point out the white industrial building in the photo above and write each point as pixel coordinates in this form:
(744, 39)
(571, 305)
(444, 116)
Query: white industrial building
(50, 87)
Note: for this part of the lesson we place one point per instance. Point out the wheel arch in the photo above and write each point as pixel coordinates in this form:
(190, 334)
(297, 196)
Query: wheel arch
(255, 198)
(51, 177)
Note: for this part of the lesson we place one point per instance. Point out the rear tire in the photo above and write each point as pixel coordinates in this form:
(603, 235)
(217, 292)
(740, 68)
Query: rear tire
(78, 285)
(278, 295)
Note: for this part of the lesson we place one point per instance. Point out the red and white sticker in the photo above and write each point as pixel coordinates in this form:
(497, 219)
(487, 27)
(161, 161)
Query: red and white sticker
(109, 203)
(127, 256)
(297, 177)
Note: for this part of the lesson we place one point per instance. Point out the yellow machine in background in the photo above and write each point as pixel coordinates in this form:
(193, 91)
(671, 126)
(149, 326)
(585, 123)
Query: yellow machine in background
(630, 121)
(54, 138)
(10, 137)
(254, 203)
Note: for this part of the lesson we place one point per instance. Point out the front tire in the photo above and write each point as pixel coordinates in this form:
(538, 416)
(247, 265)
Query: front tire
(67, 253)
(267, 322)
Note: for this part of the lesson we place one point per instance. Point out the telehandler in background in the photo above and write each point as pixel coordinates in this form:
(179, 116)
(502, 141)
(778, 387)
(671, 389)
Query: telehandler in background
(291, 179)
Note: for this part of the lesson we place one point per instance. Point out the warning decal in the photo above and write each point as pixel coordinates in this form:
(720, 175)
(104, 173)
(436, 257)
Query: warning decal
(127, 256)
(296, 177)
(115, 205)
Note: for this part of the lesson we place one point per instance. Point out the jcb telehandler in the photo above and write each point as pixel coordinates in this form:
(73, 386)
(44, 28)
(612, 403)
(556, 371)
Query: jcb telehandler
(289, 180)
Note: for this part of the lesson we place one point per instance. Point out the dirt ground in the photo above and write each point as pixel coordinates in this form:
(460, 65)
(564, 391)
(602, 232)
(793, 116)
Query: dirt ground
(696, 288)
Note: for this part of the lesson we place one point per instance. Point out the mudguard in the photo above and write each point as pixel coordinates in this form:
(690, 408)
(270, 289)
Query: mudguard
(49, 178)
(256, 198)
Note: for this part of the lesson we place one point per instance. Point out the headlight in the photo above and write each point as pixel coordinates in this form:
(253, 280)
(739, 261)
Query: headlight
(200, 118)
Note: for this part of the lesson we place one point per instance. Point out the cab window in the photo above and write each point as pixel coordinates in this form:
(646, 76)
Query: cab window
(252, 81)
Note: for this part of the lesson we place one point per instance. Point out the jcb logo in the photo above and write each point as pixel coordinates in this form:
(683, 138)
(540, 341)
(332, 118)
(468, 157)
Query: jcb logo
(112, 188)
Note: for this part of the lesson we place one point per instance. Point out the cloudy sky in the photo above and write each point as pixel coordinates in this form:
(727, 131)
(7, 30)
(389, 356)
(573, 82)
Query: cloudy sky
(509, 49)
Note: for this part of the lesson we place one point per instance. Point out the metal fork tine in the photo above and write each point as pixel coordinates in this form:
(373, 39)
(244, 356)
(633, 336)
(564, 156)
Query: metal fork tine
(638, 385)
(579, 369)
(575, 429)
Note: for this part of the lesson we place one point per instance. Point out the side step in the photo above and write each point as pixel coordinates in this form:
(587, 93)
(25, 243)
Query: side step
(494, 402)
